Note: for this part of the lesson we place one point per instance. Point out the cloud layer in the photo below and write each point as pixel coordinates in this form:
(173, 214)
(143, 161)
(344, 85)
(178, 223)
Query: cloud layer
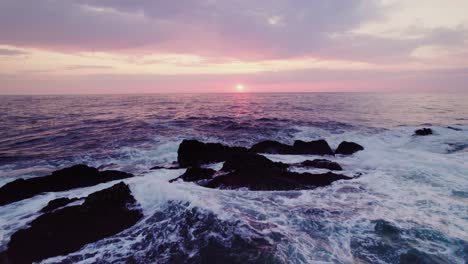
(117, 33)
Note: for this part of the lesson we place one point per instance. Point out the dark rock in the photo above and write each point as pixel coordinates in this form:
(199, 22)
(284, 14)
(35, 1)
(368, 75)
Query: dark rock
(166, 168)
(57, 203)
(62, 180)
(196, 174)
(193, 153)
(322, 164)
(318, 147)
(256, 172)
(348, 148)
(454, 128)
(271, 147)
(386, 229)
(103, 214)
(423, 132)
(414, 256)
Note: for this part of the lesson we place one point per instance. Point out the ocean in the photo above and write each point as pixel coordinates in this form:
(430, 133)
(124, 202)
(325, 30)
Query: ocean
(412, 195)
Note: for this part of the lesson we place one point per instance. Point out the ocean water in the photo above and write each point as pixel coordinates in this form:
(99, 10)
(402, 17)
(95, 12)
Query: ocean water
(412, 195)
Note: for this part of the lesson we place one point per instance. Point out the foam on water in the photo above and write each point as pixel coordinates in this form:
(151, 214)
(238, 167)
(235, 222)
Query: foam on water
(418, 185)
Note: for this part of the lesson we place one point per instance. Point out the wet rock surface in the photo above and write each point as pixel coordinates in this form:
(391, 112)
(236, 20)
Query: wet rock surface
(244, 168)
(256, 172)
(103, 214)
(61, 180)
(193, 153)
(348, 148)
(57, 203)
(271, 147)
(317, 147)
(322, 164)
(423, 132)
(196, 174)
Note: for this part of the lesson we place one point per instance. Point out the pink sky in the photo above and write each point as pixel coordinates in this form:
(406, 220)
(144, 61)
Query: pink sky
(146, 46)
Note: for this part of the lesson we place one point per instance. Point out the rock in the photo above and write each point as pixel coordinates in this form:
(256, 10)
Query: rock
(193, 153)
(318, 147)
(57, 203)
(348, 148)
(271, 147)
(386, 229)
(414, 256)
(423, 132)
(103, 214)
(165, 168)
(454, 128)
(322, 164)
(196, 174)
(62, 180)
(256, 172)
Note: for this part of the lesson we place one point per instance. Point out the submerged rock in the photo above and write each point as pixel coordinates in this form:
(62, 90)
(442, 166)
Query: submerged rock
(103, 214)
(423, 132)
(57, 203)
(414, 256)
(454, 128)
(322, 164)
(317, 147)
(256, 172)
(386, 229)
(173, 167)
(348, 148)
(61, 180)
(196, 174)
(193, 153)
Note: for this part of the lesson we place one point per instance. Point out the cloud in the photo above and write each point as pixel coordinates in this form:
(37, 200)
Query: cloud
(232, 29)
(11, 52)
(227, 37)
(88, 67)
(237, 28)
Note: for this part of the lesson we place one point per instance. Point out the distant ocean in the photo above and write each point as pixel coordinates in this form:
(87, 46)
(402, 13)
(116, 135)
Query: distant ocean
(412, 195)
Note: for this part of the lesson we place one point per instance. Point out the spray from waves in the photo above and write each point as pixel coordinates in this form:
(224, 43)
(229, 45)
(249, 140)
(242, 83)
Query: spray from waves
(411, 197)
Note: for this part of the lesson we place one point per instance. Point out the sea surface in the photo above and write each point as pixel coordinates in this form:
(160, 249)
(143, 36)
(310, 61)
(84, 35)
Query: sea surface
(412, 195)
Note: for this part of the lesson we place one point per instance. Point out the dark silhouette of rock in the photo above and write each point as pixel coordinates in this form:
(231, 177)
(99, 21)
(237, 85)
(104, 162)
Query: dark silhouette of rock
(317, 147)
(256, 172)
(271, 147)
(454, 128)
(386, 229)
(103, 214)
(61, 180)
(57, 203)
(322, 164)
(193, 153)
(165, 168)
(348, 148)
(414, 256)
(196, 174)
(423, 132)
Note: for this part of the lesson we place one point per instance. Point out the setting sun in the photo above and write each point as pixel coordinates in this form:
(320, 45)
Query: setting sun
(240, 88)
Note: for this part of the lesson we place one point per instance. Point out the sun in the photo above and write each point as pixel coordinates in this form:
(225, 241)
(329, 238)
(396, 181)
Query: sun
(240, 87)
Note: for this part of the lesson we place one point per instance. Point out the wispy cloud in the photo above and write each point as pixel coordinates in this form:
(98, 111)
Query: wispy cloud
(11, 52)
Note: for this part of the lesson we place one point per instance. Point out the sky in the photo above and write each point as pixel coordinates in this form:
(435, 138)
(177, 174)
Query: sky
(157, 46)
